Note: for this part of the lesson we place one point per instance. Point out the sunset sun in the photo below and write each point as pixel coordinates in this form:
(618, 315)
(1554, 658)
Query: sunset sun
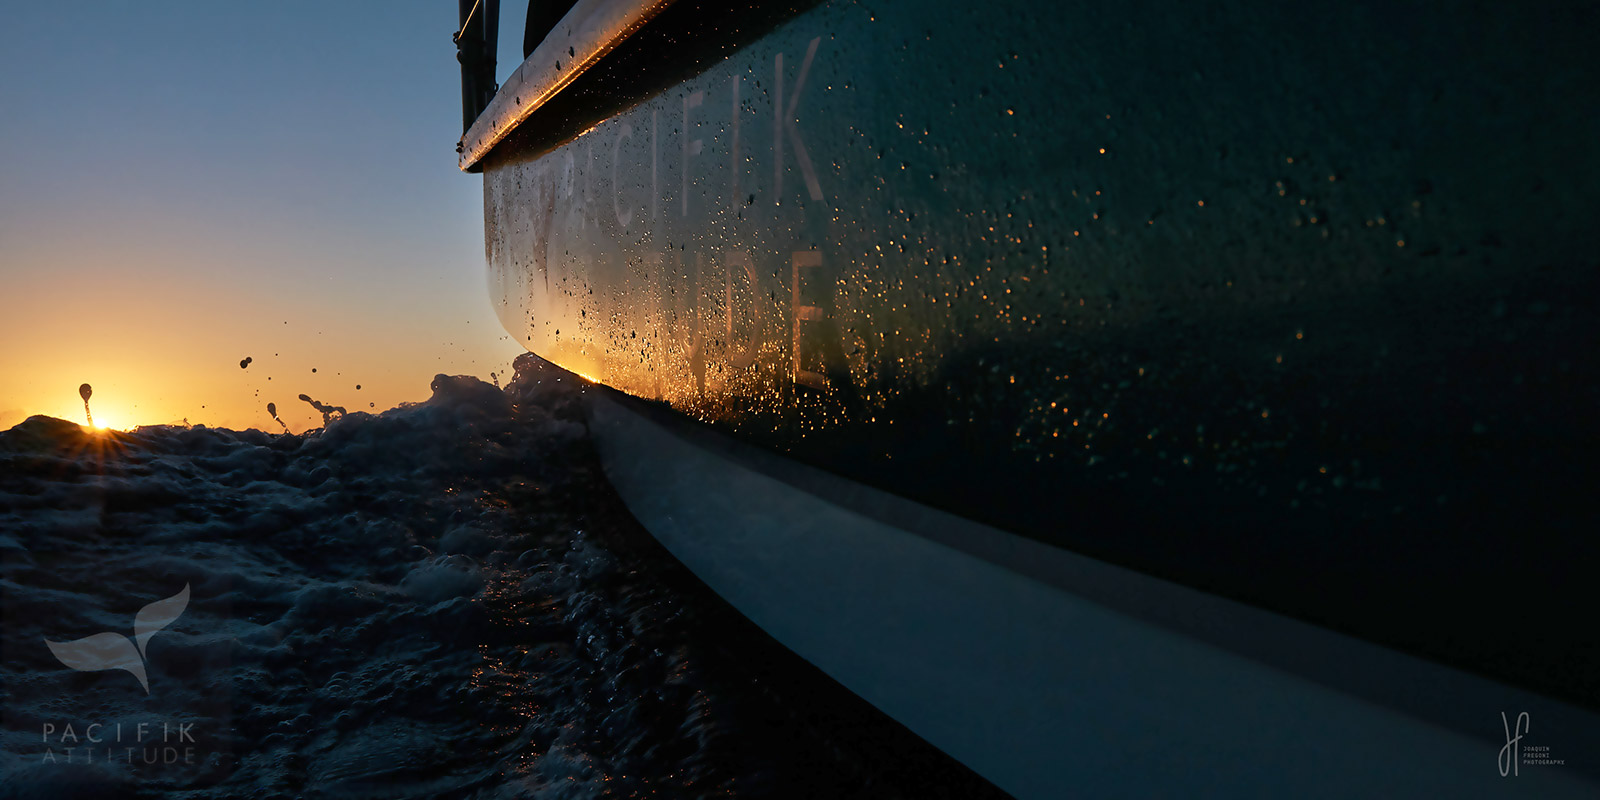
(108, 422)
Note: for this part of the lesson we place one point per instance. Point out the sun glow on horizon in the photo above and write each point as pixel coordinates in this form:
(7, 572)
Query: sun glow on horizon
(109, 422)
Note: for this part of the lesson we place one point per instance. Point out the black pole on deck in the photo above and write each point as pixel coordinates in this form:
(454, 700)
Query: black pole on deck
(476, 42)
(543, 16)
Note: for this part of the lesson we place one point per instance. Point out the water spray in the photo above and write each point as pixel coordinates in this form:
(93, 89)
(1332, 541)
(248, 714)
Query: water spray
(84, 391)
(272, 408)
(328, 411)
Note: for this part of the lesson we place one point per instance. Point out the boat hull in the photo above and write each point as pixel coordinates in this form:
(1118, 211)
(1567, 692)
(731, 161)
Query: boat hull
(1287, 305)
(1290, 305)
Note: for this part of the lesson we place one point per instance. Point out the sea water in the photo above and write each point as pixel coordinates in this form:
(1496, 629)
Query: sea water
(444, 599)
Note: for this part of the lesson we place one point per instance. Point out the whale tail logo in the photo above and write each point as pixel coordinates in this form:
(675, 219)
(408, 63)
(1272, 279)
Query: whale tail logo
(104, 651)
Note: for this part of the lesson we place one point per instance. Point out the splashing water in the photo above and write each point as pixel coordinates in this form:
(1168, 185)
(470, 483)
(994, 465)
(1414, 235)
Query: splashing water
(272, 411)
(85, 391)
(445, 599)
(329, 412)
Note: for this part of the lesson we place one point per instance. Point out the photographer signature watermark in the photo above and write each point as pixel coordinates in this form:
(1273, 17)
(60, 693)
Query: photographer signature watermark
(1517, 754)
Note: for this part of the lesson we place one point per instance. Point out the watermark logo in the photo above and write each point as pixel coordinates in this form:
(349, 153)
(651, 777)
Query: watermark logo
(1517, 753)
(1511, 754)
(104, 651)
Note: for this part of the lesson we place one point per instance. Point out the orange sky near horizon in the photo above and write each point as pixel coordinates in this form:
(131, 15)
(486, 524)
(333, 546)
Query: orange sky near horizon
(164, 350)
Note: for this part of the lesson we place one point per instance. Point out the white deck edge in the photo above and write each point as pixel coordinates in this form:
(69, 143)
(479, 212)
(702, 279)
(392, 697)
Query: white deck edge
(586, 34)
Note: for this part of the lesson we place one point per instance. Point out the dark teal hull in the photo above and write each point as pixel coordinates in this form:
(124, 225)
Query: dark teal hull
(1295, 305)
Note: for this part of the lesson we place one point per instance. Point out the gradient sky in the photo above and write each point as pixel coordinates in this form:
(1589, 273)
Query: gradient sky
(184, 184)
